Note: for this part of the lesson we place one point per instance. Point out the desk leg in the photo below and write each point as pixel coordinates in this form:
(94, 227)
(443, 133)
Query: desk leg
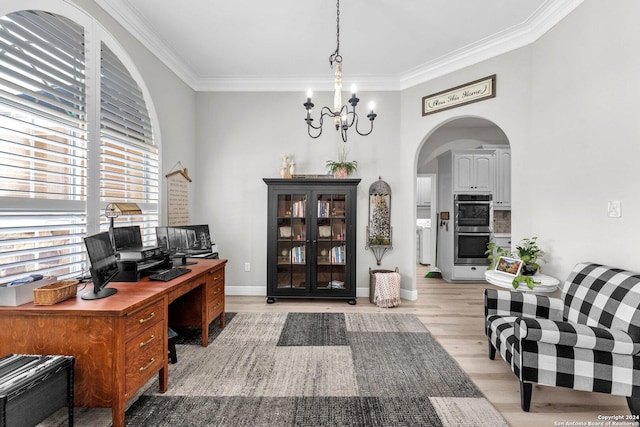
(117, 413)
(163, 379)
(222, 320)
(205, 335)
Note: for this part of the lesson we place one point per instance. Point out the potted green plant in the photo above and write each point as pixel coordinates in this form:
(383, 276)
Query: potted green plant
(530, 253)
(342, 168)
(494, 253)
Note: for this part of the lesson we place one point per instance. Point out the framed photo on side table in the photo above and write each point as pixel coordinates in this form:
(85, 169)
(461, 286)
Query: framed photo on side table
(511, 266)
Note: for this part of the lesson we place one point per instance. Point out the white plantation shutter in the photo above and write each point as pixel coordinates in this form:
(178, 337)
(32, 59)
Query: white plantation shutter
(43, 145)
(129, 161)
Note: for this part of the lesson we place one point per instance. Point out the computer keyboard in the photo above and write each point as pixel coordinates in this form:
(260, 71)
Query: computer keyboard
(165, 276)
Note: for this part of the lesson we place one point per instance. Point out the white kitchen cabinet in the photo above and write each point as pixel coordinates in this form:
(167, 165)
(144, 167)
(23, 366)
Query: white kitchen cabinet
(474, 171)
(502, 194)
(424, 191)
(503, 241)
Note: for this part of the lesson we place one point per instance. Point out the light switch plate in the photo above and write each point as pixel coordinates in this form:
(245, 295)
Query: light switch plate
(614, 208)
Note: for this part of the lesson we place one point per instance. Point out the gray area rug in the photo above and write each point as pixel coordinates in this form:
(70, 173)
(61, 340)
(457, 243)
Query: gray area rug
(313, 369)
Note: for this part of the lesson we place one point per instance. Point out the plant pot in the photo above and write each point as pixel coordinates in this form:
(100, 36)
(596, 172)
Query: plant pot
(528, 270)
(340, 173)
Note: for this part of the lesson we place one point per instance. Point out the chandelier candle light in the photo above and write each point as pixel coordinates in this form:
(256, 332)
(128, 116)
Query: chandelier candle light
(343, 118)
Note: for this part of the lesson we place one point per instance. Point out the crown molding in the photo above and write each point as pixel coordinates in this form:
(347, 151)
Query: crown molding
(542, 20)
(139, 28)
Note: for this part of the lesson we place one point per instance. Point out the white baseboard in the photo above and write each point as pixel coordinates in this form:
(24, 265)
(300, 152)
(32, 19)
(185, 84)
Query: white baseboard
(260, 291)
(409, 295)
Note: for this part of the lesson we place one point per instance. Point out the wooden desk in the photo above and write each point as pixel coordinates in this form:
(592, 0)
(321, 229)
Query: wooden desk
(119, 342)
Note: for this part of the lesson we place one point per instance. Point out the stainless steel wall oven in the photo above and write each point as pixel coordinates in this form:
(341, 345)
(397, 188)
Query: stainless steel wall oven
(473, 228)
(474, 212)
(470, 248)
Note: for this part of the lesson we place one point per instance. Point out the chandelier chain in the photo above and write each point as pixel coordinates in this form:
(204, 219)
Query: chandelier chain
(335, 56)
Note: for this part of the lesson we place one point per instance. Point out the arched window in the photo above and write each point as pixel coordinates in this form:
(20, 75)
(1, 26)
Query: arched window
(46, 164)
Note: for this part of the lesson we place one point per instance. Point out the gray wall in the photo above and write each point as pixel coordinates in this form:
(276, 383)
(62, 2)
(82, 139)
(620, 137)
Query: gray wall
(241, 140)
(567, 106)
(585, 139)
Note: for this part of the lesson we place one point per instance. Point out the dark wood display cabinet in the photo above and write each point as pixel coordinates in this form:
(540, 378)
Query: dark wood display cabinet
(311, 238)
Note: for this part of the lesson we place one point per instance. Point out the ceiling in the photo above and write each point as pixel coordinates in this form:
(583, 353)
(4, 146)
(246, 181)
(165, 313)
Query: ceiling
(260, 45)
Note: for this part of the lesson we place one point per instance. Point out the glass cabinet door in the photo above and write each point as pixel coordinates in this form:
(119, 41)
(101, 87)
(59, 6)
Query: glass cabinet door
(331, 222)
(292, 243)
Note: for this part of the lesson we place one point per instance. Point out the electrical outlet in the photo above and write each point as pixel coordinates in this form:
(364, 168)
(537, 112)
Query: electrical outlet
(247, 266)
(614, 208)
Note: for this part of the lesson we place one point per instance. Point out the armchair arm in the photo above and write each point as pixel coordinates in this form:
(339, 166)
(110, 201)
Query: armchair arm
(511, 303)
(575, 335)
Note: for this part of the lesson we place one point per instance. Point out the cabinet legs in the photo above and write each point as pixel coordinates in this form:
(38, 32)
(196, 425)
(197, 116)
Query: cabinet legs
(271, 300)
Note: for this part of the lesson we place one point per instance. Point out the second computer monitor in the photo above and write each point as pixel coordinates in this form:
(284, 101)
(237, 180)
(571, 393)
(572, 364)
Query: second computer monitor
(127, 238)
(185, 239)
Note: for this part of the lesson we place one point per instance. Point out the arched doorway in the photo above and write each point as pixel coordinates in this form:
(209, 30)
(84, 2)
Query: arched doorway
(463, 133)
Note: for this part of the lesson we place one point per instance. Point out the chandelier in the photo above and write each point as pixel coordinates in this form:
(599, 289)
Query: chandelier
(343, 117)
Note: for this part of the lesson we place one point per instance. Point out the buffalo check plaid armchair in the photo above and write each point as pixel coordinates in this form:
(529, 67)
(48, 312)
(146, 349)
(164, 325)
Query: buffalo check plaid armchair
(589, 339)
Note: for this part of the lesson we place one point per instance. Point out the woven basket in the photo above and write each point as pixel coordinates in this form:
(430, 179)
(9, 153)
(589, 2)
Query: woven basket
(54, 293)
(372, 282)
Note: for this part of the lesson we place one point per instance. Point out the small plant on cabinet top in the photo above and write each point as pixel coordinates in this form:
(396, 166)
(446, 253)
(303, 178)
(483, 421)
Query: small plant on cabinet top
(342, 168)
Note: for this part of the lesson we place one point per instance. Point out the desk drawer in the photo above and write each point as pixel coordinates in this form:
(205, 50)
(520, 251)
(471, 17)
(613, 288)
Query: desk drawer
(142, 319)
(215, 307)
(216, 277)
(144, 357)
(216, 289)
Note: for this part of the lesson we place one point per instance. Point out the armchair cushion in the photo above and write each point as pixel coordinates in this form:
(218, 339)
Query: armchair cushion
(575, 335)
(597, 295)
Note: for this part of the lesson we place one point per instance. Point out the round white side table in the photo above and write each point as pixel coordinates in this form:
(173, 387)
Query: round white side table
(547, 283)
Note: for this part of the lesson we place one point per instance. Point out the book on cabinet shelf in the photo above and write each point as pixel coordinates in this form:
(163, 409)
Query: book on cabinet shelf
(338, 254)
(324, 209)
(298, 255)
(297, 209)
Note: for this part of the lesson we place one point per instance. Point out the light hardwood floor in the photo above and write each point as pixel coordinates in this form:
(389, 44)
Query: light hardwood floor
(453, 313)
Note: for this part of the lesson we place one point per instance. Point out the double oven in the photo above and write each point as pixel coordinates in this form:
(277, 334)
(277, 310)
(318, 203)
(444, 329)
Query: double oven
(473, 228)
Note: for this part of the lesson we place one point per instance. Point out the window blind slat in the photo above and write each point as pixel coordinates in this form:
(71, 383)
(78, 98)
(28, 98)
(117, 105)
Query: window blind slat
(26, 106)
(54, 100)
(60, 28)
(20, 129)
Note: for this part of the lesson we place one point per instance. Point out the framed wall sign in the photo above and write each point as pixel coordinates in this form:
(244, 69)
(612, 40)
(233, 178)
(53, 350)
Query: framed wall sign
(467, 93)
(178, 197)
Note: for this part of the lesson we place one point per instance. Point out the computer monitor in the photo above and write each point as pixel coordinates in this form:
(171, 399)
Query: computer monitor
(185, 239)
(127, 238)
(104, 266)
